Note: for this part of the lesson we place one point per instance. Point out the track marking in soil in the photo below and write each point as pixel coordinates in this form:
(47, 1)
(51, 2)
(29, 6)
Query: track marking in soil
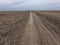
(46, 29)
(30, 36)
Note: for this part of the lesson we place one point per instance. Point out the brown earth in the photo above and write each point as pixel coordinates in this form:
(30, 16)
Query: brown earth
(29, 28)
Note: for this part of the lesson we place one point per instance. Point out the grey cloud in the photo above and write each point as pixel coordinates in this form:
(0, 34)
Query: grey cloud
(30, 5)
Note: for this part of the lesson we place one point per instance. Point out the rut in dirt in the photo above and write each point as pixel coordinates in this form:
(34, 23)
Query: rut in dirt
(32, 32)
(30, 36)
(35, 33)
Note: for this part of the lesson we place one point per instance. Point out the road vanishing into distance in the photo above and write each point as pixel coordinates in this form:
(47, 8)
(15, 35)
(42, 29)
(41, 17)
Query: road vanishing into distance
(35, 29)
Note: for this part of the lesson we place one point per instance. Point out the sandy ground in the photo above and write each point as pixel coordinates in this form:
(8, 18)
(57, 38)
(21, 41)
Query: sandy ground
(33, 30)
(30, 36)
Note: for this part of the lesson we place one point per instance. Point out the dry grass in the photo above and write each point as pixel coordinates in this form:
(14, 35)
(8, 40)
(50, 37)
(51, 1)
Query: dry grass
(53, 17)
(11, 22)
(51, 20)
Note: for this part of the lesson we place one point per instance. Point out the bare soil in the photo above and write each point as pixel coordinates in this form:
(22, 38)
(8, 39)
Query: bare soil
(30, 28)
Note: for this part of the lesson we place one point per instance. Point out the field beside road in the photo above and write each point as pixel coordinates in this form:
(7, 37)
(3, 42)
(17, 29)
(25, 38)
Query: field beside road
(30, 28)
(10, 23)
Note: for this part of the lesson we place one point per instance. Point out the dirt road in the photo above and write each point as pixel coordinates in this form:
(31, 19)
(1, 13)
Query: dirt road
(37, 34)
(34, 30)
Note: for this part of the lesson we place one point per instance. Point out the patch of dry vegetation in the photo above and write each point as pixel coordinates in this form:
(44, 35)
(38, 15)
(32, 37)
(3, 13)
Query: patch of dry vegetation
(52, 17)
(51, 22)
(11, 22)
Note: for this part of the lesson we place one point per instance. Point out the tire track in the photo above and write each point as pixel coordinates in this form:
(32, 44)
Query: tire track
(47, 37)
(30, 36)
(35, 31)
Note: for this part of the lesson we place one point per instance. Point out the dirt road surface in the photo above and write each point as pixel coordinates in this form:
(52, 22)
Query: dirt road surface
(33, 30)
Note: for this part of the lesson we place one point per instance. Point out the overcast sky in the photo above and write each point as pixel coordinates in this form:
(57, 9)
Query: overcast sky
(29, 5)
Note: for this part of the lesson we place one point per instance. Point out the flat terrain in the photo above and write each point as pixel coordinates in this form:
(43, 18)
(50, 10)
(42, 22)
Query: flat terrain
(30, 28)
